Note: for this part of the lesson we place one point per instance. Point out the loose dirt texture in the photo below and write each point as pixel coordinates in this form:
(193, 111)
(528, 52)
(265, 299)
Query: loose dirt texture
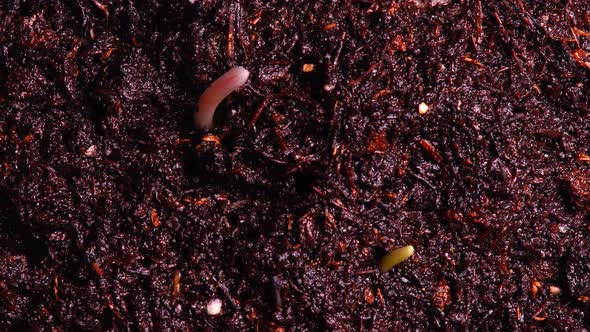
(115, 213)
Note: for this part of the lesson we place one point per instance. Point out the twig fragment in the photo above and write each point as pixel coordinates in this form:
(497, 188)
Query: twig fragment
(155, 219)
(176, 284)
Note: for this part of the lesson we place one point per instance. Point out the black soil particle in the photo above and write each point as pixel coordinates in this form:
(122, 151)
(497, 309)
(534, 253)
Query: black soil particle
(116, 214)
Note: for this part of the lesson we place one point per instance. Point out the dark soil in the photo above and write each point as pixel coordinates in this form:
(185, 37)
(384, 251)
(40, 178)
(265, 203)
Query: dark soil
(116, 214)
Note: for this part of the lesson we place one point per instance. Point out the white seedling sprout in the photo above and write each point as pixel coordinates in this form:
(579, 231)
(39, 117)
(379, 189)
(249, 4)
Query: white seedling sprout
(216, 92)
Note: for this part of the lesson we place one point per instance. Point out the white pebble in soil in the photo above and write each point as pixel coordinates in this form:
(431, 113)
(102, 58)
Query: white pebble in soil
(91, 151)
(214, 307)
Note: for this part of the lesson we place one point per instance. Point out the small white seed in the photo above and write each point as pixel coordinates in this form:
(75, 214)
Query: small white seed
(554, 290)
(214, 307)
(329, 87)
(422, 108)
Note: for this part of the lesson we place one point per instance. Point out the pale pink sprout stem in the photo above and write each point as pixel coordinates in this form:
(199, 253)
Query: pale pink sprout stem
(216, 92)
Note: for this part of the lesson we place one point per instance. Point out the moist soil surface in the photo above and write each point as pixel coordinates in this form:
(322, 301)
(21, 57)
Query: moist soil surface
(117, 214)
